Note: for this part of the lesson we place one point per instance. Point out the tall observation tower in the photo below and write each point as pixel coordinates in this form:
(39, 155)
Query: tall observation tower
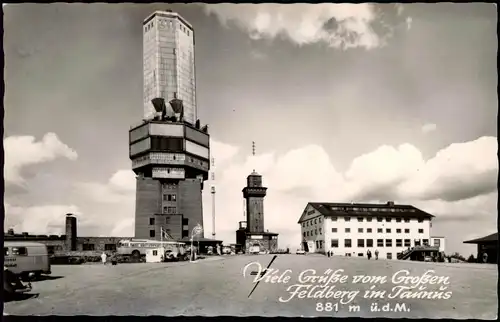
(169, 149)
(251, 235)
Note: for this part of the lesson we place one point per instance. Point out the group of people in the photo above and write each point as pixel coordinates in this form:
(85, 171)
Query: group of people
(104, 258)
(368, 254)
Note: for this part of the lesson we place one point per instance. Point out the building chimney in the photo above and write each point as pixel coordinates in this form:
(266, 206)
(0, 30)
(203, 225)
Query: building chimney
(70, 242)
(10, 232)
(390, 203)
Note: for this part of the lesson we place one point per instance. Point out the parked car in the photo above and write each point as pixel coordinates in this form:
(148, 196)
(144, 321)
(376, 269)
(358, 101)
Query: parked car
(300, 252)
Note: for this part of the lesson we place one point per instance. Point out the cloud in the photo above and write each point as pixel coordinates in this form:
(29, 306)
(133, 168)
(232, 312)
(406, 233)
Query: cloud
(257, 55)
(119, 188)
(457, 185)
(387, 173)
(429, 127)
(23, 151)
(338, 25)
(45, 219)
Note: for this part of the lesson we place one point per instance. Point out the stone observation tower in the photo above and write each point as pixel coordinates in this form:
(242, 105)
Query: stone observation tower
(169, 149)
(251, 235)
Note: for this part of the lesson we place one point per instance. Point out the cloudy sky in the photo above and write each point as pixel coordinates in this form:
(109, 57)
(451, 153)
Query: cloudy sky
(344, 102)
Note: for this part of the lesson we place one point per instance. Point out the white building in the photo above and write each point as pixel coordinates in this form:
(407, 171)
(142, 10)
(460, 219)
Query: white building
(353, 229)
(168, 62)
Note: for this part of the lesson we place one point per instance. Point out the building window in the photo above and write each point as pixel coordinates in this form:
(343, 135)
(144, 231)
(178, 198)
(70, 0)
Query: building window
(388, 243)
(152, 233)
(21, 251)
(420, 231)
(88, 247)
(185, 221)
(320, 231)
(399, 243)
(334, 230)
(417, 242)
(369, 219)
(360, 230)
(315, 231)
(315, 221)
(407, 220)
(335, 243)
(167, 220)
(389, 255)
(307, 233)
(388, 219)
(368, 230)
(407, 243)
(169, 210)
(380, 243)
(369, 243)
(185, 233)
(420, 220)
(361, 243)
(380, 219)
(398, 230)
(334, 218)
(388, 230)
(304, 234)
(360, 219)
(379, 230)
(303, 224)
(110, 247)
(347, 243)
(437, 242)
(398, 219)
(426, 242)
(151, 221)
(348, 230)
(319, 219)
(347, 218)
(407, 230)
(360, 254)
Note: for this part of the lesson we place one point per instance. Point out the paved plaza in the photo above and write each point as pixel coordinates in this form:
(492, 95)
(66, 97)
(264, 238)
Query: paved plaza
(217, 287)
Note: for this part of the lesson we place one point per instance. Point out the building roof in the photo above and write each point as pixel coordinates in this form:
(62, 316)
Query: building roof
(22, 243)
(389, 209)
(487, 239)
(266, 233)
(202, 239)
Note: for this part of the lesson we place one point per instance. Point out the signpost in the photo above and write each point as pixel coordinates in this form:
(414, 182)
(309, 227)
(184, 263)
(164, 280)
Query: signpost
(197, 230)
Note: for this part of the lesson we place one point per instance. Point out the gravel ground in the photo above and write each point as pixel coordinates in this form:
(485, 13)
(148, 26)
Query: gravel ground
(216, 286)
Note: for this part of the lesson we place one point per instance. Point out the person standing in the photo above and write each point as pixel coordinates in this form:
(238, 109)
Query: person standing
(485, 257)
(104, 257)
(369, 254)
(376, 254)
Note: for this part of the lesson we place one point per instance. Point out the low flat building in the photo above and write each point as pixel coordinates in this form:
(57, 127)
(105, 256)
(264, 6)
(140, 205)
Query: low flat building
(488, 245)
(68, 242)
(351, 229)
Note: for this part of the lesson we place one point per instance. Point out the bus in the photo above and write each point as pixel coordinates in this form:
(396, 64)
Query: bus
(138, 247)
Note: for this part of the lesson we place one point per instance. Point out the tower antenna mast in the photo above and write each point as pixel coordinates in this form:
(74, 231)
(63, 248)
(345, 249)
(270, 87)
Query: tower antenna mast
(253, 150)
(213, 199)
